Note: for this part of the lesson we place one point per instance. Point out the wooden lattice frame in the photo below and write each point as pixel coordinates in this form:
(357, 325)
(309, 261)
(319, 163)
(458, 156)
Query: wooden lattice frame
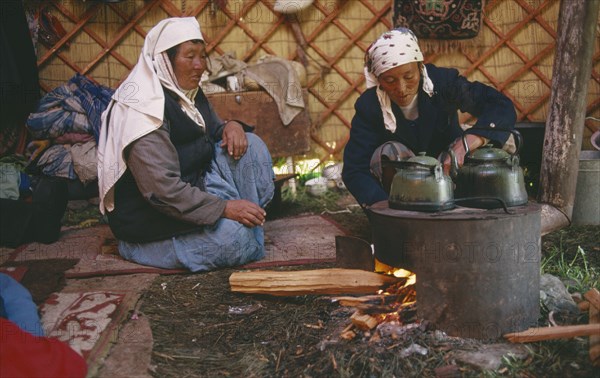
(332, 17)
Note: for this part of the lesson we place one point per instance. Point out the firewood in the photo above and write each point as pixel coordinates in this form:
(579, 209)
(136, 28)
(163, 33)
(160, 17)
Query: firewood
(369, 299)
(303, 282)
(594, 339)
(367, 308)
(348, 335)
(551, 333)
(593, 296)
(362, 321)
(406, 294)
(583, 306)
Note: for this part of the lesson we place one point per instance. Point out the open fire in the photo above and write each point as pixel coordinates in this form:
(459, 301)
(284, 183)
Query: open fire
(395, 306)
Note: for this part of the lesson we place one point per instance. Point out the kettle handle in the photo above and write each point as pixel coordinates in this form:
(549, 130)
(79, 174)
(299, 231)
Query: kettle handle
(405, 163)
(497, 199)
(517, 135)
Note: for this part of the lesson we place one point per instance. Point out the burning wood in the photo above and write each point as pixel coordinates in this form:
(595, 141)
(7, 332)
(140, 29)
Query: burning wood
(380, 299)
(396, 306)
(303, 282)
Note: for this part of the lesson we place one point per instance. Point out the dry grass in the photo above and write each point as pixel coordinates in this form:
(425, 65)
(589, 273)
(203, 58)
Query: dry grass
(198, 331)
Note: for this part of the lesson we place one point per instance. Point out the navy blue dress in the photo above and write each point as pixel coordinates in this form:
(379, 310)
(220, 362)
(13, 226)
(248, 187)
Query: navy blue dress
(435, 129)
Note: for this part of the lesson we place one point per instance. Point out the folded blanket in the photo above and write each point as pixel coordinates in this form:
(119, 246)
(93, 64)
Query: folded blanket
(75, 107)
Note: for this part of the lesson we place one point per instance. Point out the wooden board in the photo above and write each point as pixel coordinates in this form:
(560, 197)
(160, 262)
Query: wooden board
(257, 108)
(305, 282)
(552, 333)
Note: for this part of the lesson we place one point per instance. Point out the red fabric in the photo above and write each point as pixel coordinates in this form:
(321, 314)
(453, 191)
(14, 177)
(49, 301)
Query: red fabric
(25, 355)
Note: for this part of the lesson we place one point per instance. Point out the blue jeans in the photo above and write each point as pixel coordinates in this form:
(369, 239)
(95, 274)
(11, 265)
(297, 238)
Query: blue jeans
(227, 242)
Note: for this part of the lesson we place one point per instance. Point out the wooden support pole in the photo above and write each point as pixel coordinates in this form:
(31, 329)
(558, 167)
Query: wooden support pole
(572, 67)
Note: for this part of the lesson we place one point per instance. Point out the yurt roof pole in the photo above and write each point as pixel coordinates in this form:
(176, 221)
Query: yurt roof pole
(577, 22)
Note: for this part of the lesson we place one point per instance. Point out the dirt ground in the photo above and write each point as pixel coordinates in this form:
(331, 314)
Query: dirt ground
(202, 329)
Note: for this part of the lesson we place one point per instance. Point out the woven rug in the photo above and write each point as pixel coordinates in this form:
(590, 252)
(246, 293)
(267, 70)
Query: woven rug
(87, 313)
(16, 272)
(95, 248)
(288, 241)
(441, 25)
(40, 277)
(300, 240)
(440, 19)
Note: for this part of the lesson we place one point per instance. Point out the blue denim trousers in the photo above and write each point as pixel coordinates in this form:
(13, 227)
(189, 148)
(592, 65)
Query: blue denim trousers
(227, 242)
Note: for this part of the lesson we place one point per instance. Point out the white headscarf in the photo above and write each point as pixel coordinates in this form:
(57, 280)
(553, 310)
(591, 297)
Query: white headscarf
(392, 49)
(137, 107)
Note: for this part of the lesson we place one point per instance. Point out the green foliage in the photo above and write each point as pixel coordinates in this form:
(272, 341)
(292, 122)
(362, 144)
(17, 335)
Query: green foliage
(82, 218)
(578, 274)
(303, 202)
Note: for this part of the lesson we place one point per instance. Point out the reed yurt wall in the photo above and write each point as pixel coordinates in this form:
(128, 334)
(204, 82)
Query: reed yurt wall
(514, 50)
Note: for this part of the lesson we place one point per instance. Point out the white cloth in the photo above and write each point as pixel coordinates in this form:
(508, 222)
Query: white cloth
(137, 107)
(411, 111)
(392, 49)
(278, 77)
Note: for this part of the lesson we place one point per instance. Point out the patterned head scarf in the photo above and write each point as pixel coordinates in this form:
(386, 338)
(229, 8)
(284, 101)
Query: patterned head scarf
(392, 49)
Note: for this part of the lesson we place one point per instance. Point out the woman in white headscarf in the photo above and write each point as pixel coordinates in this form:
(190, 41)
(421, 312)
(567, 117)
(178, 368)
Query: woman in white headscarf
(411, 107)
(180, 187)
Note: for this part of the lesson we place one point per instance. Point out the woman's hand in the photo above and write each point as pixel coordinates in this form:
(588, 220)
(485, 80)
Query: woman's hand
(473, 141)
(247, 213)
(234, 139)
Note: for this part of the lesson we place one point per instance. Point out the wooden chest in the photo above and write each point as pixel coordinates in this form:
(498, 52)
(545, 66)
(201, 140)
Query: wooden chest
(257, 108)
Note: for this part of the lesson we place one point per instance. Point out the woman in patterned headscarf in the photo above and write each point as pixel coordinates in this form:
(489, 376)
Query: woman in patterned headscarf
(411, 107)
(180, 187)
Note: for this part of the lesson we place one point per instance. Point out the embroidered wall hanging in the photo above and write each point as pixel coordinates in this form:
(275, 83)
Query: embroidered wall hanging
(440, 19)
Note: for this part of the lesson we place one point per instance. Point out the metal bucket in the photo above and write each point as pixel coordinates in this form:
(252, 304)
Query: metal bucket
(478, 271)
(586, 209)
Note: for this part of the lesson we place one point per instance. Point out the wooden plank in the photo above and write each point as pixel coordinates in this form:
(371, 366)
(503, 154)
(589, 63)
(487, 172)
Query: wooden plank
(552, 333)
(257, 108)
(303, 282)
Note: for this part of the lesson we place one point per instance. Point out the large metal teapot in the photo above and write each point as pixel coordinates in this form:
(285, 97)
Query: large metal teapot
(420, 185)
(489, 176)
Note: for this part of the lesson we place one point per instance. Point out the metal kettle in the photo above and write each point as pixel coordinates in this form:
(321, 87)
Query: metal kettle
(489, 176)
(420, 185)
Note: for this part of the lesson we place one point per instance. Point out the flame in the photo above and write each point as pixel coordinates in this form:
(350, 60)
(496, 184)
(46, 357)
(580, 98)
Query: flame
(396, 272)
(396, 305)
(412, 279)
(404, 292)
